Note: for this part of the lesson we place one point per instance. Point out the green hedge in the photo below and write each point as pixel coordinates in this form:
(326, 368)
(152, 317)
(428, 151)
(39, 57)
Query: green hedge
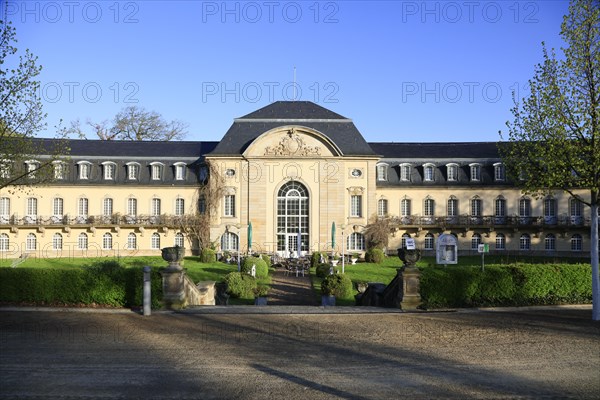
(208, 255)
(513, 285)
(374, 255)
(106, 283)
(338, 285)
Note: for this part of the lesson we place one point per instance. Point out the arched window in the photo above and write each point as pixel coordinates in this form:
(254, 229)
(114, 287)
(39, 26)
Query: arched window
(475, 241)
(31, 242)
(229, 242)
(525, 242)
(356, 241)
(576, 242)
(179, 239)
(155, 241)
(292, 217)
(500, 241)
(131, 241)
(107, 243)
(4, 242)
(82, 241)
(550, 242)
(57, 241)
(429, 241)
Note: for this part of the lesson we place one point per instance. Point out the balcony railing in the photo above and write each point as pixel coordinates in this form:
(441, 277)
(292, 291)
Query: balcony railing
(93, 220)
(466, 221)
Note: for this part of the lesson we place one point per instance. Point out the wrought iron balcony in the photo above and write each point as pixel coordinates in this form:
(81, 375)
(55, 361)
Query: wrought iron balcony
(469, 221)
(94, 220)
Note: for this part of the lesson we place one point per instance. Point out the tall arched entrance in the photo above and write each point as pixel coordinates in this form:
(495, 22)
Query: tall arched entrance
(292, 219)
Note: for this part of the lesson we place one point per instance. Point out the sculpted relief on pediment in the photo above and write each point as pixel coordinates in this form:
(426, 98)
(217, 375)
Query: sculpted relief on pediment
(292, 144)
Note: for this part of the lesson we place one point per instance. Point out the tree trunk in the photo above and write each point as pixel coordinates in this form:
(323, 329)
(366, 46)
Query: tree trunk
(594, 262)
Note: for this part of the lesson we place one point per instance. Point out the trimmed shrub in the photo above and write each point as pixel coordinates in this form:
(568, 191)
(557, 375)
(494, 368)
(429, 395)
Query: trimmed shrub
(262, 271)
(338, 285)
(267, 259)
(208, 255)
(323, 270)
(315, 259)
(240, 284)
(374, 255)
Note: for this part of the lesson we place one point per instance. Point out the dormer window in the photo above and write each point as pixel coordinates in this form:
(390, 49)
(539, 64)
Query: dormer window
(60, 170)
(405, 171)
(382, 172)
(452, 171)
(110, 170)
(32, 165)
(180, 171)
(133, 171)
(156, 169)
(428, 172)
(85, 168)
(5, 169)
(499, 172)
(475, 172)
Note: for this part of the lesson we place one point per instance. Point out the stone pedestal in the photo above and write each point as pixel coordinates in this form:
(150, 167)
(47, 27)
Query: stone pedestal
(174, 295)
(410, 277)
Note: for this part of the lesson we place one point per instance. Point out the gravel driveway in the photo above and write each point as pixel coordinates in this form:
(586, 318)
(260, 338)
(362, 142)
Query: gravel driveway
(537, 353)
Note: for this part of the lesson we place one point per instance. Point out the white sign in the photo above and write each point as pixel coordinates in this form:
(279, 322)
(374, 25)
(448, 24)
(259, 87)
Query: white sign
(410, 244)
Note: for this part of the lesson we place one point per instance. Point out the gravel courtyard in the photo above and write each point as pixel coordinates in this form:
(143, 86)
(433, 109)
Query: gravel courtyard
(537, 353)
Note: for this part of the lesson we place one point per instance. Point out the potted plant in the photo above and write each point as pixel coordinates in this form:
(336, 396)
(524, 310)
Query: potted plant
(335, 259)
(354, 258)
(260, 295)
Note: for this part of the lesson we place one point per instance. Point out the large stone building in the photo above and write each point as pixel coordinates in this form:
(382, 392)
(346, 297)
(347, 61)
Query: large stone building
(291, 169)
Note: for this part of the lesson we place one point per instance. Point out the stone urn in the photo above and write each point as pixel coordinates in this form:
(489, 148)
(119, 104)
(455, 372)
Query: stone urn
(173, 255)
(409, 257)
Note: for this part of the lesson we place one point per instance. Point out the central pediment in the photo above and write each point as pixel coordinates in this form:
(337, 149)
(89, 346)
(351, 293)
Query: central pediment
(292, 141)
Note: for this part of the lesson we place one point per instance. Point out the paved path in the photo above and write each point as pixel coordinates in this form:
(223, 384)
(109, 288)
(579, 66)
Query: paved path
(291, 290)
(551, 353)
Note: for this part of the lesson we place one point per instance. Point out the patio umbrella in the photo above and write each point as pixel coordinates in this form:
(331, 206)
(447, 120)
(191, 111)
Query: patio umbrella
(299, 241)
(333, 235)
(249, 236)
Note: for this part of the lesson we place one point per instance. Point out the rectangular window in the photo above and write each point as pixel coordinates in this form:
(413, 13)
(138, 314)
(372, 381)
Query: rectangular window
(202, 205)
(82, 208)
(107, 207)
(575, 208)
(382, 208)
(59, 170)
(549, 208)
(31, 167)
(229, 205)
(476, 207)
(475, 172)
(31, 207)
(500, 207)
(428, 172)
(452, 207)
(156, 207)
(132, 207)
(382, 172)
(405, 172)
(429, 207)
(405, 207)
(84, 171)
(452, 172)
(5, 169)
(179, 172)
(499, 172)
(57, 207)
(4, 207)
(109, 171)
(156, 172)
(179, 207)
(524, 208)
(133, 171)
(356, 206)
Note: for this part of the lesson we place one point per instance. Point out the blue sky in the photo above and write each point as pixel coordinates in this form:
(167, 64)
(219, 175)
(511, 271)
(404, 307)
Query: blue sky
(402, 70)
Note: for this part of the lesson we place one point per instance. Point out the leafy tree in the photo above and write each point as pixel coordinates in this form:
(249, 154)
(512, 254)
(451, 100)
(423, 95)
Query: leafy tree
(21, 117)
(133, 123)
(554, 139)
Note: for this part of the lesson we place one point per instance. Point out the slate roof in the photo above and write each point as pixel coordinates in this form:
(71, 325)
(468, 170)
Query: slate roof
(132, 149)
(432, 151)
(339, 129)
